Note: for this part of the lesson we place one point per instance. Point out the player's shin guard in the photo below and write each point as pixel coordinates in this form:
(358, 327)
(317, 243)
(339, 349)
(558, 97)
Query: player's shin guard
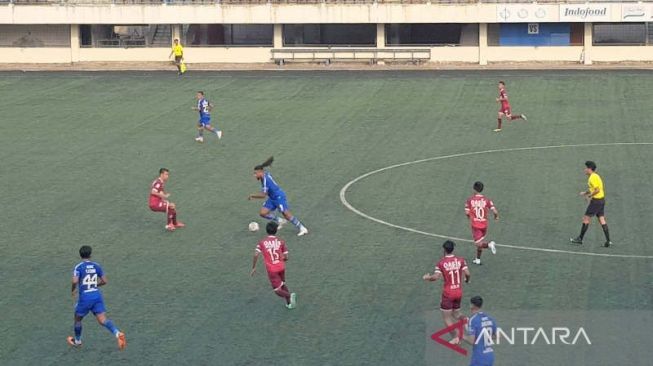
(282, 291)
(172, 216)
(111, 327)
(583, 230)
(606, 232)
(78, 331)
(295, 221)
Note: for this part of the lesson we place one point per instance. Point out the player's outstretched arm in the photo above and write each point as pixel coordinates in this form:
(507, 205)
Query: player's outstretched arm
(254, 260)
(468, 275)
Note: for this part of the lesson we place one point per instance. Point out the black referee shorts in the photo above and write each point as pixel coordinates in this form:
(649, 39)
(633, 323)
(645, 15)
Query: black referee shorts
(596, 208)
(178, 59)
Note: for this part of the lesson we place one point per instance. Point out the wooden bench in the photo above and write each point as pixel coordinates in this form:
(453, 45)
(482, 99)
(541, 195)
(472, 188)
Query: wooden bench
(328, 55)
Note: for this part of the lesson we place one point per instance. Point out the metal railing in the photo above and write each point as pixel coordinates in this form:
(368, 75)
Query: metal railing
(256, 2)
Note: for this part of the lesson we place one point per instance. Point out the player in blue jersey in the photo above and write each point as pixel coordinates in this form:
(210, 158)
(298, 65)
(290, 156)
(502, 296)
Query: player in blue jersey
(204, 107)
(481, 333)
(275, 199)
(87, 278)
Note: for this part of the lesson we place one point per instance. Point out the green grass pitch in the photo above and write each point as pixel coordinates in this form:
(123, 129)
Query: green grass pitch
(79, 151)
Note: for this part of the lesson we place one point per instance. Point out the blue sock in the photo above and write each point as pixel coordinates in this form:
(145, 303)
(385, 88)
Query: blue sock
(271, 217)
(295, 221)
(112, 328)
(200, 133)
(78, 331)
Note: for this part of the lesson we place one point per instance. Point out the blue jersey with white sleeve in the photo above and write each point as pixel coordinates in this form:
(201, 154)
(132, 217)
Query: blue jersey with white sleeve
(483, 327)
(270, 186)
(88, 274)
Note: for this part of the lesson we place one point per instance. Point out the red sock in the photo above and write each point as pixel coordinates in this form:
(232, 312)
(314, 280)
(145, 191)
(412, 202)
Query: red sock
(283, 293)
(512, 118)
(172, 216)
(478, 253)
(499, 123)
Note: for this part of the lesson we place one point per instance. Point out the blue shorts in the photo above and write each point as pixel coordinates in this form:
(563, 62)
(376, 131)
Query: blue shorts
(204, 121)
(483, 361)
(96, 306)
(278, 203)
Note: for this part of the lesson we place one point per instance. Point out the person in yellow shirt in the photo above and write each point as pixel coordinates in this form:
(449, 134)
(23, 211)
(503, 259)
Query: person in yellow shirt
(178, 51)
(595, 194)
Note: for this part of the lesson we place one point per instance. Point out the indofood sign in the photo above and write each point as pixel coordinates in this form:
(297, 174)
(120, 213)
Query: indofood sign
(585, 13)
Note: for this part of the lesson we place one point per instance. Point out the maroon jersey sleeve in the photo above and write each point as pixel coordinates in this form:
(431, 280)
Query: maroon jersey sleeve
(157, 185)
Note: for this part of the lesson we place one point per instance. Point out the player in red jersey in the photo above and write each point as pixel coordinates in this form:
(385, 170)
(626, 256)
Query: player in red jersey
(159, 200)
(451, 269)
(477, 208)
(275, 255)
(505, 110)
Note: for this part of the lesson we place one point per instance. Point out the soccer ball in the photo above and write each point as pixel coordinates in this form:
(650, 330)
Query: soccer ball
(253, 226)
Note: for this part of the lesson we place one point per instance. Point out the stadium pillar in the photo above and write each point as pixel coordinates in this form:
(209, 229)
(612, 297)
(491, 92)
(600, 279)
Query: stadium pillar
(176, 33)
(482, 43)
(277, 36)
(587, 44)
(74, 43)
(380, 35)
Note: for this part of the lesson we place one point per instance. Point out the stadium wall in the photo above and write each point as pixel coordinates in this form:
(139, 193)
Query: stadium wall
(477, 14)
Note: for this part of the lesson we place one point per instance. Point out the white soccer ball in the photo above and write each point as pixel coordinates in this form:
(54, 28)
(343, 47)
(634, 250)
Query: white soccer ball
(253, 226)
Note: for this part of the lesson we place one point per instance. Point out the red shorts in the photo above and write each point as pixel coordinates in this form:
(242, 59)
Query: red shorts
(505, 109)
(162, 206)
(277, 278)
(450, 302)
(478, 234)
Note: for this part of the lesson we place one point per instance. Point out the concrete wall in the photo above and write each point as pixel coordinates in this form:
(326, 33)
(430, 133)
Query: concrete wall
(522, 54)
(44, 55)
(262, 54)
(621, 53)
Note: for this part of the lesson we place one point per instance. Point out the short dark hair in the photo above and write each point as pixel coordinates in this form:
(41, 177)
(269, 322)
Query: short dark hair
(477, 301)
(502, 83)
(591, 165)
(478, 187)
(85, 252)
(271, 228)
(448, 246)
(163, 170)
(201, 92)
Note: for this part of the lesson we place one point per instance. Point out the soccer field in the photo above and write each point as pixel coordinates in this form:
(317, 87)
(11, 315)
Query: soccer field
(79, 152)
